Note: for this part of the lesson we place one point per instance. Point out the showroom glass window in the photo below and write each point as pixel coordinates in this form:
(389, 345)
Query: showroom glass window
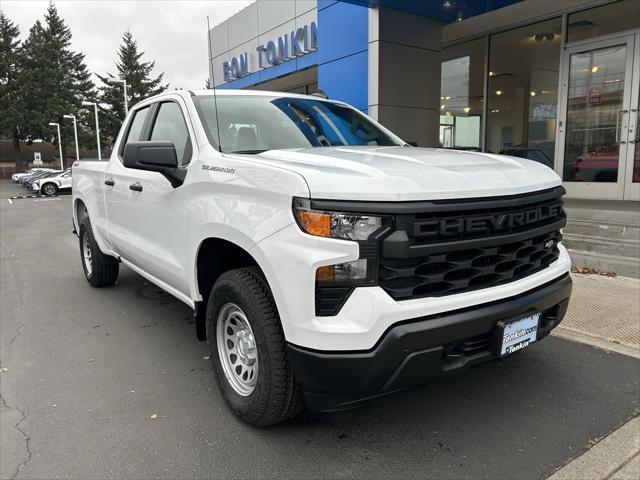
(461, 95)
(611, 18)
(523, 91)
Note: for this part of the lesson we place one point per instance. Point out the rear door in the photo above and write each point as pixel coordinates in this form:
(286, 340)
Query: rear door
(158, 210)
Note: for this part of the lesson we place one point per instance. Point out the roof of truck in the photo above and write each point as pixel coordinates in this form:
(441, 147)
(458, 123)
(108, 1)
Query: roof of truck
(253, 93)
(224, 92)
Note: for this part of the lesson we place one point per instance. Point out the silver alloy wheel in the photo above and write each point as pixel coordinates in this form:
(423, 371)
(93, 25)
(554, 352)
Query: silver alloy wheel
(49, 190)
(86, 254)
(237, 349)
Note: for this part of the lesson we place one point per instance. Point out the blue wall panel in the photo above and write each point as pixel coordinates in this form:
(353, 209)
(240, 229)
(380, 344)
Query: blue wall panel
(325, 3)
(343, 42)
(346, 79)
(343, 29)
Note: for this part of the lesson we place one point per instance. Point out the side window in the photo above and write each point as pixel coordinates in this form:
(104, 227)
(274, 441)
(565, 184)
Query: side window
(135, 129)
(171, 127)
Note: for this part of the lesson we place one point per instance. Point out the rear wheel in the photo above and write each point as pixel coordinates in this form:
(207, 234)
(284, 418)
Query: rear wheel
(248, 350)
(100, 270)
(49, 189)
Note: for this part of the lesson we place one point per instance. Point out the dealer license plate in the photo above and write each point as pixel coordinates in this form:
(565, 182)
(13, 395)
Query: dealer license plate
(517, 334)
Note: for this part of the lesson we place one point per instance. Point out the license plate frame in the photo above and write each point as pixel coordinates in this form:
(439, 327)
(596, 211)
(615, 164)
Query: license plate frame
(515, 334)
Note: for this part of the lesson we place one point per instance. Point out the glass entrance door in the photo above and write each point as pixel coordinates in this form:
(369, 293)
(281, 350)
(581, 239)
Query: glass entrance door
(598, 129)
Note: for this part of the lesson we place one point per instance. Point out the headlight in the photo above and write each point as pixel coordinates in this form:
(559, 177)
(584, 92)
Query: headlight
(346, 226)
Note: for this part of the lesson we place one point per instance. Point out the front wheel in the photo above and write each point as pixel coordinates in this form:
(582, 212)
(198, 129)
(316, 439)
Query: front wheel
(49, 189)
(248, 350)
(100, 270)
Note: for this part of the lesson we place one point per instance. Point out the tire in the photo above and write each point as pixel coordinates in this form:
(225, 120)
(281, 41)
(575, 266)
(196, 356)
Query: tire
(100, 270)
(239, 296)
(49, 189)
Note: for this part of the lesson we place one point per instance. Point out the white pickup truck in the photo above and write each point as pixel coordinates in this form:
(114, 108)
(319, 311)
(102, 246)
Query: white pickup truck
(327, 261)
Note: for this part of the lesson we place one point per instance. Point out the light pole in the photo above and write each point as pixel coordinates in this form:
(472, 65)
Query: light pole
(124, 85)
(75, 133)
(95, 108)
(57, 125)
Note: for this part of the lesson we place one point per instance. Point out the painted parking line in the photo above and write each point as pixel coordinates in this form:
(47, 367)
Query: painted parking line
(10, 201)
(16, 197)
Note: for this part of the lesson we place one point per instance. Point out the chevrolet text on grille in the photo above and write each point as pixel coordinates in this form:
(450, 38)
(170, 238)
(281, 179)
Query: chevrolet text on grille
(486, 223)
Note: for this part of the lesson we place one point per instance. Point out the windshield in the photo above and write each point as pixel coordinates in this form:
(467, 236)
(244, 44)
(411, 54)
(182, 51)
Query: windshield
(255, 124)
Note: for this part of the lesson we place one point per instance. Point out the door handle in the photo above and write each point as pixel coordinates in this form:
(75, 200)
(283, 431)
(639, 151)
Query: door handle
(109, 182)
(636, 138)
(618, 129)
(136, 187)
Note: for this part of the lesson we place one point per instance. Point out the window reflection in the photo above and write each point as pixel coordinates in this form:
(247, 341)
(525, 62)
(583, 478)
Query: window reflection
(594, 108)
(523, 91)
(461, 95)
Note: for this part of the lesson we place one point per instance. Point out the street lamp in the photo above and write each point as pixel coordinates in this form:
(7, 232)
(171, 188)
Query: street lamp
(124, 84)
(59, 143)
(95, 108)
(75, 133)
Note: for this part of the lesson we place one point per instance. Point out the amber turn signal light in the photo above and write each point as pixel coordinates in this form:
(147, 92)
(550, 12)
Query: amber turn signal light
(326, 274)
(314, 223)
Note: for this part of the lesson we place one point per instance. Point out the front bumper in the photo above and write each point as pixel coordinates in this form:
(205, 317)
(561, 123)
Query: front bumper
(420, 350)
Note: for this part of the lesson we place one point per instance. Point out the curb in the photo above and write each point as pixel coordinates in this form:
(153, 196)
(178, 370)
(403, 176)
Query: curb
(606, 345)
(616, 457)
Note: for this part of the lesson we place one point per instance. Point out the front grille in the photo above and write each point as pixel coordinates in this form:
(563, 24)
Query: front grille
(488, 242)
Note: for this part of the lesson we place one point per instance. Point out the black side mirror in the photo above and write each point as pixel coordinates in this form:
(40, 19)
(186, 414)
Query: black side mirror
(413, 144)
(155, 157)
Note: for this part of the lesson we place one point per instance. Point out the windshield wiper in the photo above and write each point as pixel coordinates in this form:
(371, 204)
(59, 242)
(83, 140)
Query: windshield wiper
(251, 152)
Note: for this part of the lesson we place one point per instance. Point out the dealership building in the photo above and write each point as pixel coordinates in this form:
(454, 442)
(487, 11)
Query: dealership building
(553, 81)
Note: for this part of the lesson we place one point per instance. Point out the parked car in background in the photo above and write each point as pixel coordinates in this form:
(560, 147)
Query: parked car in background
(28, 181)
(38, 173)
(17, 176)
(52, 184)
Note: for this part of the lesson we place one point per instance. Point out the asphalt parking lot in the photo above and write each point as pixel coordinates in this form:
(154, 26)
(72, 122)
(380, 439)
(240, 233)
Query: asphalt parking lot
(113, 383)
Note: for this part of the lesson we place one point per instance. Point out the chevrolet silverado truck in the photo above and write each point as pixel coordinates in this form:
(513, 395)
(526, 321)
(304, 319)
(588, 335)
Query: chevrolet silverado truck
(328, 262)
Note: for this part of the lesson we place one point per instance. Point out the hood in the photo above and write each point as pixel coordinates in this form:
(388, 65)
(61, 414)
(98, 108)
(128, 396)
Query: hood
(409, 173)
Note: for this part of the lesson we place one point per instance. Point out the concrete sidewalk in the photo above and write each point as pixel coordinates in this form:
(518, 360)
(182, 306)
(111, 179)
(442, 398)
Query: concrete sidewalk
(605, 307)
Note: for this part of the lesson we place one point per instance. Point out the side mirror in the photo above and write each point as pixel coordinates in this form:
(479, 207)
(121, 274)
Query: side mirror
(155, 157)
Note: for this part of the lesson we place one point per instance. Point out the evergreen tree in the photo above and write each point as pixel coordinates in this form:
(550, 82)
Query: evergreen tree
(140, 85)
(10, 100)
(54, 81)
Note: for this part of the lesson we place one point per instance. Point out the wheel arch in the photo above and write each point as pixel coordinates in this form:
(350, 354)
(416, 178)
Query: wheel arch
(80, 212)
(215, 256)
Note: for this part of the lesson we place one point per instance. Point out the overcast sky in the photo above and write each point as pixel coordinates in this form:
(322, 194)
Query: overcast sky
(173, 33)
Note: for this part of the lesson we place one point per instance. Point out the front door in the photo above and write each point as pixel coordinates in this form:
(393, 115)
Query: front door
(598, 130)
(158, 210)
